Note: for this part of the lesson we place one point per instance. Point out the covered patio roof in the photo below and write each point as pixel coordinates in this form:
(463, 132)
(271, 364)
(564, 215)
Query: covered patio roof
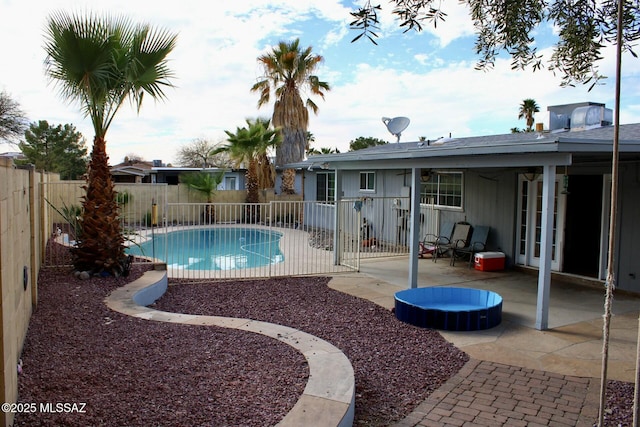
(545, 150)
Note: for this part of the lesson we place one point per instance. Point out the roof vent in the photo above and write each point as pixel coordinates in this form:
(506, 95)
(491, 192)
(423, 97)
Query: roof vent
(587, 116)
(559, 121)
(443, 140)
(590, 117)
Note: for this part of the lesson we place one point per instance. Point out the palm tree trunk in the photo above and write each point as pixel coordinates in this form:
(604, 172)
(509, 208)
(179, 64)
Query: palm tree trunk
(252, 212)
(101, 249)
(288, 181)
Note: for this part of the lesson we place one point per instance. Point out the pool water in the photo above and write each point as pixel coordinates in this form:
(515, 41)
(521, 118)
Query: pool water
(214, 248)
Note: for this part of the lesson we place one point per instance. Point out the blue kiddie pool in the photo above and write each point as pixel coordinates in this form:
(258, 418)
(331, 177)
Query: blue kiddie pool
(450, 309)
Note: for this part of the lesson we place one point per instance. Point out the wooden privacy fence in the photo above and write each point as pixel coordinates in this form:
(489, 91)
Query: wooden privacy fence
(238, 240)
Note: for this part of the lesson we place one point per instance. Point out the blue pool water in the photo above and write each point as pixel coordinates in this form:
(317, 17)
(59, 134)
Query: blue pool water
(214, 248)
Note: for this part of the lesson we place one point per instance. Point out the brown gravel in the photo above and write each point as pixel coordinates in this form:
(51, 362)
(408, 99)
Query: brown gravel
(396, 365)
(134, 372)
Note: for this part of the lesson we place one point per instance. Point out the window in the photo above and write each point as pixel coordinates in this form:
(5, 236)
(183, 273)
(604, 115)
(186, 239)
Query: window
(325, 187)
(443, 189)
(230, 183)
(367, 181)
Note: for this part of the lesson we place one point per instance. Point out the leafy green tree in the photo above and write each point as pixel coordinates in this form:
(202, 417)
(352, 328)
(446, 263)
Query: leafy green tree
(585, 27)
(361, 142)
(287, 70)
(527, 110)
(13, 121)
(58, 149)
(100, 62)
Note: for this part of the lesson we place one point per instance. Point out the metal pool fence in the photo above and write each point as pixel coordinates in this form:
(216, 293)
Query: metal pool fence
(240, 240)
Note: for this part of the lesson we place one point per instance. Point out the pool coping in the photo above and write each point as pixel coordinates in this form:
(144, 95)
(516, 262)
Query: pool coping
(329, 396)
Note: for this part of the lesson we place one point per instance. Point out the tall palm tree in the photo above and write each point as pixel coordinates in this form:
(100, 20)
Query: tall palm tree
(287, 71)
(271, 139)
(527, 109)
(250, 145)
(100, 62)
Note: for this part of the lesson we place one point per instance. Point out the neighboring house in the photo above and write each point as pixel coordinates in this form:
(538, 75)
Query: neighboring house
(507, 182)
(15, 155)
(156, 172)
(132, 172)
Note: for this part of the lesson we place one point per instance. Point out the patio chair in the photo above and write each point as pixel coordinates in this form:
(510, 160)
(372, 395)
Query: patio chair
(477, 243)
(459, 238)
(429, 243)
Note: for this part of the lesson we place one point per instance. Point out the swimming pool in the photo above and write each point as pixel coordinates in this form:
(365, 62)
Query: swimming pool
(214, 248)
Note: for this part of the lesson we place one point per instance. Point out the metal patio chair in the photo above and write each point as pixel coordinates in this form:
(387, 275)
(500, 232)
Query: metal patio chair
(459, 238)
(429, 243)
(477, 243)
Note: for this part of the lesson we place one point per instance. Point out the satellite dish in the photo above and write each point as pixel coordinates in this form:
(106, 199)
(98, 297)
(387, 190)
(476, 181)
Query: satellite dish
(396, 125)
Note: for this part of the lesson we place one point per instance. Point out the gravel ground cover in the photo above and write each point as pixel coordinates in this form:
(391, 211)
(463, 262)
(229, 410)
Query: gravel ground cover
(396, 365)
(134, 372)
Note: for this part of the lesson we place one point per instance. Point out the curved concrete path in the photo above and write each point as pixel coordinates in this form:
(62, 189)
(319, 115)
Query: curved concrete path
(329, 396)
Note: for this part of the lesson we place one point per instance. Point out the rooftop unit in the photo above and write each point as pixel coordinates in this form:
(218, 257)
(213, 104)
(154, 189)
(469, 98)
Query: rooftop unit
(579, 116)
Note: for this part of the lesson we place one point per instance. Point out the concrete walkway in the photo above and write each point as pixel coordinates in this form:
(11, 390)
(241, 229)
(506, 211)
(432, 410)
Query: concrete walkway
(328, 398)
(517, 375)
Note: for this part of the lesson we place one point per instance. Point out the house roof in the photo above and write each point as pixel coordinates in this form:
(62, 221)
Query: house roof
(513, 149)
(138, 168)
(130, 170)
(146, 168)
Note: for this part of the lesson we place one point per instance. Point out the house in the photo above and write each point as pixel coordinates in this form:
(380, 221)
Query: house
(545, 194)
(132, 171)
(156, 172)
(15, 155)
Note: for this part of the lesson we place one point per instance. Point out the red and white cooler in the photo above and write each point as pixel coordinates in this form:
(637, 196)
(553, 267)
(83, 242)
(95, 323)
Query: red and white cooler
(489, 261)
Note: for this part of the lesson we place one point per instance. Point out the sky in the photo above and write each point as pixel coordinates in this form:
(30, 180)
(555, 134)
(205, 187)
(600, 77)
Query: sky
(428, 77)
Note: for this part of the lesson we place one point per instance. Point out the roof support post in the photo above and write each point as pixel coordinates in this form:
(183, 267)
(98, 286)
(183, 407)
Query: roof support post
(414, 227)
(337, 194)
(546, 247)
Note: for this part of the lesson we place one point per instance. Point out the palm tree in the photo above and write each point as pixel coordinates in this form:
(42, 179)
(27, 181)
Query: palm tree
(527, 109)
(101, 62)
(322, 150)
(206, 184)
(250, 145)
(287, 71)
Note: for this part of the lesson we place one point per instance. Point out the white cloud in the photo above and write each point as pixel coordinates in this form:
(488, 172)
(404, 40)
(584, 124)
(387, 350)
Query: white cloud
(215, 66)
